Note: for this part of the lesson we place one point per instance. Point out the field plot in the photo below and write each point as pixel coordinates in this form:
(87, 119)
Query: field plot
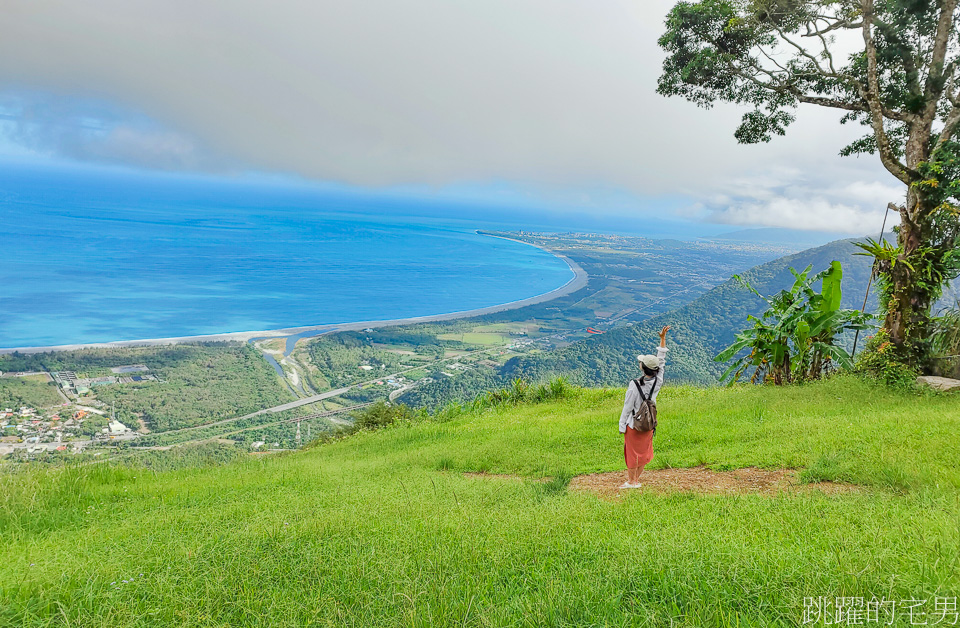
(475, 338)
(35, 391)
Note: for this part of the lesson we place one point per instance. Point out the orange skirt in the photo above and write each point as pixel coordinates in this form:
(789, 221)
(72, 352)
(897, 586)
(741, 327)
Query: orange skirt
(637, 448)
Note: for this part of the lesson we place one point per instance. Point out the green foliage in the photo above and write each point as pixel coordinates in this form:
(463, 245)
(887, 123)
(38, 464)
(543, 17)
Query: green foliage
(33, 392)
(196, 383)
(884, 253)
(939, 185)
(795, 339)
(773, 55)
(556, 484)
(93, 424)
(460, 388)
(930, 268)
(521, 391)
(381, 415)
(881, 360)
(184, 457)
(722, 50)
(946, 342)
(701, 328)
(339, 356)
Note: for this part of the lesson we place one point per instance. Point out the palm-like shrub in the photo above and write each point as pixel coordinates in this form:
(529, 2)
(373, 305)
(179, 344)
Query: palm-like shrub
(795, 339)
(945, 338)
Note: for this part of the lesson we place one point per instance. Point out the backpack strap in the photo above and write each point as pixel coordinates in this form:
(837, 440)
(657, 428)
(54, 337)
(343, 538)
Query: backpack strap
(639, 386)
(640, 389)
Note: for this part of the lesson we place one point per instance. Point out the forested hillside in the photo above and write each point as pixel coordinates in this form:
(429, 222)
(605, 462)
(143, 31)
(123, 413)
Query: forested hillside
(700, 329)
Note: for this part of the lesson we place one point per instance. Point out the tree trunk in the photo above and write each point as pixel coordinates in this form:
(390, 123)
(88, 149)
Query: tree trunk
(907, 318)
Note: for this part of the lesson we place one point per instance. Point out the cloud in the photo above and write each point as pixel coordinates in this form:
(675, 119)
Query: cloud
(790, 199)
(816, 214)
(872, 193)
(552, 95)
(86, 130)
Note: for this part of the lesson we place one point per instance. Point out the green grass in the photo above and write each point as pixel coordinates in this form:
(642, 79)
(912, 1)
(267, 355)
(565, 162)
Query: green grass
(383, 529)
(475, 338)
(517, 327)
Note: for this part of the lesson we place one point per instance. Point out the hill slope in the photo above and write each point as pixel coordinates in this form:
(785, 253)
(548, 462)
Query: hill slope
(701, 328)
(384, 529)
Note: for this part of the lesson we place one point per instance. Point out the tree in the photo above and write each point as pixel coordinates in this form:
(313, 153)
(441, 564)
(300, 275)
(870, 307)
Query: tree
(795, 339)
(900, 83)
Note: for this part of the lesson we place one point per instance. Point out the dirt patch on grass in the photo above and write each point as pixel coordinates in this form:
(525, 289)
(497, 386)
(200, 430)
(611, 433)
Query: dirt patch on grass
(704, 480)
(692, 480)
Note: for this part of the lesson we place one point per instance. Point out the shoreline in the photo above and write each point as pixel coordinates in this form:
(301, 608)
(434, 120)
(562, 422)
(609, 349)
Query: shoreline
(578, 281)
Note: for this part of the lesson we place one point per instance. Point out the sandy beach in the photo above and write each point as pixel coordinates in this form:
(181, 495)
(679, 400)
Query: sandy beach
(578, 281)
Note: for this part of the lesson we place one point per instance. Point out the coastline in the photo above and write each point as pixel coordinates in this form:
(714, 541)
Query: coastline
(578, 281)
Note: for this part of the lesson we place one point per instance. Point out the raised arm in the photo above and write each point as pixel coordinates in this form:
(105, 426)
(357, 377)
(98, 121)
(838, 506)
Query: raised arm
(662, 353)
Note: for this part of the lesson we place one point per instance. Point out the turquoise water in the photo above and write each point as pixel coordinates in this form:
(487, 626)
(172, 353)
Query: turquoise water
(125, 258)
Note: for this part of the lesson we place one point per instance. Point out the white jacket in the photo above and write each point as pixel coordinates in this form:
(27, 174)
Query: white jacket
(632, 400)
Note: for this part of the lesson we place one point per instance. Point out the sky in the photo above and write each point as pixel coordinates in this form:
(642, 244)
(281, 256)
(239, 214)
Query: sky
(534, 101)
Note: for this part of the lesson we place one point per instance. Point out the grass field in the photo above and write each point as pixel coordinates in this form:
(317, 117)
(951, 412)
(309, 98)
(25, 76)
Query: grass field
(524, 327)
(383, 528)
(475, 338)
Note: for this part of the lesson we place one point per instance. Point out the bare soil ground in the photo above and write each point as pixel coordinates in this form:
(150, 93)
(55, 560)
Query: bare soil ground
(695, 480)
(704, 480)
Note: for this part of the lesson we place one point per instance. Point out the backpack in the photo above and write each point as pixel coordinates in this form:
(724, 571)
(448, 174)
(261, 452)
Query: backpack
(645, 418)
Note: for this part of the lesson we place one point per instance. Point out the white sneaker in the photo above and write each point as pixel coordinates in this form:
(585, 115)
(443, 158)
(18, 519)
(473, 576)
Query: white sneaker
(626, 485)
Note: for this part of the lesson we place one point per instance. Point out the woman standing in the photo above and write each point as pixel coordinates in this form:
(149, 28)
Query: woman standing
(637, 445)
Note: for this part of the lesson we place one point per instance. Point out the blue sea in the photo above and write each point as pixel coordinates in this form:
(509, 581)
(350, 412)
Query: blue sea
(94, 257)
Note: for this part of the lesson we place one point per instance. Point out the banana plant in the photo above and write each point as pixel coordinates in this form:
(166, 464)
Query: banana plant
(795, 339)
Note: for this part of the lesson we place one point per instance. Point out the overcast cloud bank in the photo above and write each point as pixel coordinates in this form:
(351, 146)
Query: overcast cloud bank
(554, 95)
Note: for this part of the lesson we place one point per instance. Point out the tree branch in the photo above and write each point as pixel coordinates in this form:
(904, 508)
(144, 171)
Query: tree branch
(772, 60)
(835, 104)
(803, 52)
(872, 96)
(949, 127)
(935, 84)
(835, 26)
(904, 53)
(778, 86)
(826, 51)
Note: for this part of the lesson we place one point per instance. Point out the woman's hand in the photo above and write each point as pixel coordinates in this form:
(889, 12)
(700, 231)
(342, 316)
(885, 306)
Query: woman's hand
(663, 335)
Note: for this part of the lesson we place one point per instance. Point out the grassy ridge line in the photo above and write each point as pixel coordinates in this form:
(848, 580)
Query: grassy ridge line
(368, 531)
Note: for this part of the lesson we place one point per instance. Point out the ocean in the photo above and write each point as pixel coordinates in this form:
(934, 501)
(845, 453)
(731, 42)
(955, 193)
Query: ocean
(110, 257)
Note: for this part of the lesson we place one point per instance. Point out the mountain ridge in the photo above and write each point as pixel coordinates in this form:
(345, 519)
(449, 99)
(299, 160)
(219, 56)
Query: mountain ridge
(702, 328)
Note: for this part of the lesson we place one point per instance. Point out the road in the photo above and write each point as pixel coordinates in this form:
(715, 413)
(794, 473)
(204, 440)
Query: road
(293, 404)
(287, 406)
(73, 444)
